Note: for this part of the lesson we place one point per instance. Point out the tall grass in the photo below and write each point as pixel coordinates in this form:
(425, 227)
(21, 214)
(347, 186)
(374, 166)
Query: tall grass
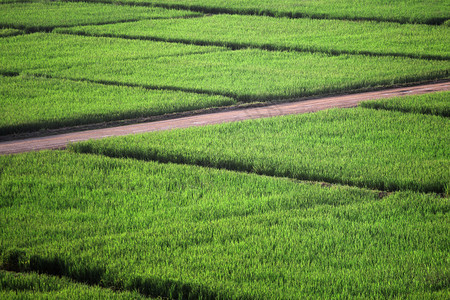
(330, 36)
(182, 231)
(30, 103)
(248, 75)
(433, 104)
(48, 15)
(375, 149)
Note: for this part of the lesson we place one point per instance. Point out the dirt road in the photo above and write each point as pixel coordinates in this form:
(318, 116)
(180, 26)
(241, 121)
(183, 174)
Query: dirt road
(60, 141)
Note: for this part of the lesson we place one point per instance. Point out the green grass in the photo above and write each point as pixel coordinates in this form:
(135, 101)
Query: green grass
(329, 36)
(171, 230)
(30, 103)
(39, 286)
(247, 75)
(433, 104)
(405, 11)
(48, 15)
(368, 148)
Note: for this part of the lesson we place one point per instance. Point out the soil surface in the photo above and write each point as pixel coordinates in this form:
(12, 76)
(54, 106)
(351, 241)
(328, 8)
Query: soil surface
(60, 141)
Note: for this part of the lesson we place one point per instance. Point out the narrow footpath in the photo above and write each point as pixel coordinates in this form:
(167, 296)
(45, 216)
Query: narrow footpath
(345, 101)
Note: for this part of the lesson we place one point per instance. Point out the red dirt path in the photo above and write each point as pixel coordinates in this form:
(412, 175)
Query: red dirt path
(60, 141)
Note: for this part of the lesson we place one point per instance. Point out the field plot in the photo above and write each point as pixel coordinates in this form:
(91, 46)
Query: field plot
(38, 286)
(330, 36)
(48, 15)
(404, 11)
(368, 148)
(169, 230)
(433, 104)
(247, 75)
(30, 104)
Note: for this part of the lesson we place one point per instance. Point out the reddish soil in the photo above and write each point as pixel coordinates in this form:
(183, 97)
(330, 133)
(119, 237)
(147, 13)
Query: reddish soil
(60, 141)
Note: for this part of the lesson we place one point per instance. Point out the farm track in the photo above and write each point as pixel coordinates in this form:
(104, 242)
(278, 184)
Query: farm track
(60, 141)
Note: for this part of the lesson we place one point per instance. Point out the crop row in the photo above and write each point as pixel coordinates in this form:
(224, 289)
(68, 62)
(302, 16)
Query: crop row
(248, 75)
(47, 15)
(170, 230)
(330, 36)
(375, 149)
(404, 11)
(30, 103)
(433, 104)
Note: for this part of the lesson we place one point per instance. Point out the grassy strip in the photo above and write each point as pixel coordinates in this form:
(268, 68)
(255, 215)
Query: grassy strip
(171, 231)
(404, 11)
(39, 286)
(30, 104)
(375, 149)
(247, 75)
(328, 36)
(48, 15)
(432, 104)
(9, 32)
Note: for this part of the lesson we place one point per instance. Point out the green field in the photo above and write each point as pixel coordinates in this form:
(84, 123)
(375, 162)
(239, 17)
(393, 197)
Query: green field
(404, 11)
(432, 104)
(48, 15)
(30, 103)
(247, 75)
(329, 36)
(172, 230)
(339, 204)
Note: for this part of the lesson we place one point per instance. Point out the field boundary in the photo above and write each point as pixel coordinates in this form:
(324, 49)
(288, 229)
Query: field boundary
(60, 141)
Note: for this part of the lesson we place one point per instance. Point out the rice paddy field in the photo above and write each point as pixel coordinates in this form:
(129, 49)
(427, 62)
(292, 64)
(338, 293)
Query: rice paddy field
(338, 204)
